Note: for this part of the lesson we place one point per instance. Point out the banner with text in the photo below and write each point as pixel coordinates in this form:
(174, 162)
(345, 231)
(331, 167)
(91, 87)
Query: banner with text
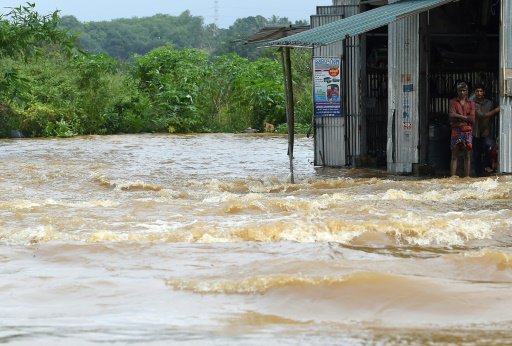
(327, 87)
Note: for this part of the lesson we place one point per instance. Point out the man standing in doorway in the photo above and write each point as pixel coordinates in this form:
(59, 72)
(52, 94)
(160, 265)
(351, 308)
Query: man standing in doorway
(485, 110)
(462, 117)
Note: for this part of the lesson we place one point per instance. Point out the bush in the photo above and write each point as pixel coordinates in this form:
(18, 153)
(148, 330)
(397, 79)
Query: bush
(41, 120)
(8, 120)
(298, 128)
(171, 78)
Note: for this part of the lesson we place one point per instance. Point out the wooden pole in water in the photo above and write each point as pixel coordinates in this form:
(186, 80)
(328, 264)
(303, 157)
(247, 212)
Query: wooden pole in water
(290, 109)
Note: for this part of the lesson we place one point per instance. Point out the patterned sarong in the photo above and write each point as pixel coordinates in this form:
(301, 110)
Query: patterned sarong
(462, 137)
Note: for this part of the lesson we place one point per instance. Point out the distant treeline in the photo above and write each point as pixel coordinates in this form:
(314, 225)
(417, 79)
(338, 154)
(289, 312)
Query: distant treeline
(155, 74)
(121, 38)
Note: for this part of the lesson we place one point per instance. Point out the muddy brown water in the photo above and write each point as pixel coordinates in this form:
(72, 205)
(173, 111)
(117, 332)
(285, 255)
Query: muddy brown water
(201, 239)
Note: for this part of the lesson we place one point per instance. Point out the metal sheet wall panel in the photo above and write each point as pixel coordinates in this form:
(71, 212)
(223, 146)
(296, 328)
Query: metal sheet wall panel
(330, 10)
(403, 95)
(505, 139)
(329, 141)
(338, 140)
(346, 3)
(353, 63)
(331, 146)
(329, 131)
(505, 144)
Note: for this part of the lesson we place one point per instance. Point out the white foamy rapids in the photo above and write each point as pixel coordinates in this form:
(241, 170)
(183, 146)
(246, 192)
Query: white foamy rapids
(378, 282)
(412, 230)
(18, 204)
(126, 185)
(27, 204)
(409, 229)
(39, 234)
(423, 191)
(253, 285)
(249, 185)
(454, 229)
(234, 202)
(487, 189)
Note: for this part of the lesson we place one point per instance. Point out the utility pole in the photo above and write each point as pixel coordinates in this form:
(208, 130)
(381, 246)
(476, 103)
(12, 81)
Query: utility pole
(216, 12)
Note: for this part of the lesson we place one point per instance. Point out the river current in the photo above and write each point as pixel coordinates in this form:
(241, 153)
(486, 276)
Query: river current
(203, 240)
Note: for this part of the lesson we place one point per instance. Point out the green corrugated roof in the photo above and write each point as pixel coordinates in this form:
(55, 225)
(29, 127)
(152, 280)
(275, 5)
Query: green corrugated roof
(357, 24)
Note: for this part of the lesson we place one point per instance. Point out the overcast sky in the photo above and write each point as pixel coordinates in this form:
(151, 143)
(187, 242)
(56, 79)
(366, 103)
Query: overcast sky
(228, 10)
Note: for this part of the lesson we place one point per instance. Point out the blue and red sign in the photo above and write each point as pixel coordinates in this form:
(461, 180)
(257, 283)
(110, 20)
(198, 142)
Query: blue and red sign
(327, 87)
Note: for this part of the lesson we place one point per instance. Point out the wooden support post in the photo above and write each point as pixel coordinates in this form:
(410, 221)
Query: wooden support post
(290, 109)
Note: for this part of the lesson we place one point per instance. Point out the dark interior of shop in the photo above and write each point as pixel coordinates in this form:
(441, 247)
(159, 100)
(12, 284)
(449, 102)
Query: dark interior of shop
(462, 44)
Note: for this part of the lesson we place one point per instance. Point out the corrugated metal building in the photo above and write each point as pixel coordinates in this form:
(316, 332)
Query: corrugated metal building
(329, 134)
(401, 60)
(505, 134)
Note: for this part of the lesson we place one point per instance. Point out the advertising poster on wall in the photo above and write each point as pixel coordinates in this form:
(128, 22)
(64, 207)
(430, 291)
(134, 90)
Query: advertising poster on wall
(327, 87)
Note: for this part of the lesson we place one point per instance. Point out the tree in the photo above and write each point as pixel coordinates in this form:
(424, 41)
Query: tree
(23, 31)
(121, 38)
(172, 79)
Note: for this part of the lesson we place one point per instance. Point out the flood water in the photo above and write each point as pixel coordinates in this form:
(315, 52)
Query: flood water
(202, 240)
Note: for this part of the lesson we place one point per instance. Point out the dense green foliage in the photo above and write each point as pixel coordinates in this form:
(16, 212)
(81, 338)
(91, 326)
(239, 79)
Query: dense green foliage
(26, 31)
(172, 79)
(49, 88)
(121, 38)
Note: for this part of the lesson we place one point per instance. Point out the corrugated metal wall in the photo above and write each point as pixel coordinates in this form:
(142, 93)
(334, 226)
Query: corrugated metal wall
(334, 49)
(505, 144)
(329, 141)
(338, 139)
(355, 65)
(354, 117)
(329, 131)
(403, 112)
